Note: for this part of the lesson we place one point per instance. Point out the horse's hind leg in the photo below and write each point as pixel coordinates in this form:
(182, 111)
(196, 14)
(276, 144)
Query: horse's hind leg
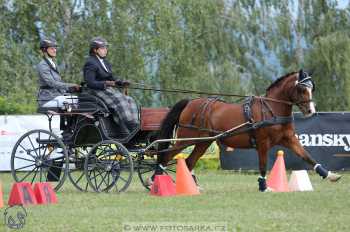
(294, 144)
(197, 152)
(164, 157)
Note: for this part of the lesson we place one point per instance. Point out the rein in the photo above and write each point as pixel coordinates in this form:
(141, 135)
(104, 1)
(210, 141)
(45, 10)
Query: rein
(184, 91)
(150, 88)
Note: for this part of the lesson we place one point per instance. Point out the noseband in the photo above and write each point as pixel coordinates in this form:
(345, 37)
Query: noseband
(308, 83)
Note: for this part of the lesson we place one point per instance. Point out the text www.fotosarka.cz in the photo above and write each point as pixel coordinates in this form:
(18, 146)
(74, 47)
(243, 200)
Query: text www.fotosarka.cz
(174, 226)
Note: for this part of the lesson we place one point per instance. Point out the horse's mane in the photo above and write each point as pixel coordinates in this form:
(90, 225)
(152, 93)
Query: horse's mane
(276, 82)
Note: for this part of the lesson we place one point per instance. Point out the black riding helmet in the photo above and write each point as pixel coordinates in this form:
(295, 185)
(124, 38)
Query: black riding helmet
(98, 42)
(47, 42)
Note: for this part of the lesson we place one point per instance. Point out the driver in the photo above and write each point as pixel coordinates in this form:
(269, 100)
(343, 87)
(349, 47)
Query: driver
(101, 82)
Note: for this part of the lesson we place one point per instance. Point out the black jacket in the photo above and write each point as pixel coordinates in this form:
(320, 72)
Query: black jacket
(95, 75)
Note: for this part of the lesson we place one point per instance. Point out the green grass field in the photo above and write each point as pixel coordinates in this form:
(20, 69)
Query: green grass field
(228, 197)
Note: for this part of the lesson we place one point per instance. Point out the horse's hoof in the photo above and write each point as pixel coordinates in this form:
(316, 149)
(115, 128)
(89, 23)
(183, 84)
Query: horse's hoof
(268, 190)
(200, 189)
(333, 177)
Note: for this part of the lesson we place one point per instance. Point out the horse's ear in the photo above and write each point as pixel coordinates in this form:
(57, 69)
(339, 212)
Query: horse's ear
(301, 75)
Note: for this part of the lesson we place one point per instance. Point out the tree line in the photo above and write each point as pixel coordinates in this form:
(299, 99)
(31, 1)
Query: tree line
(226, 46)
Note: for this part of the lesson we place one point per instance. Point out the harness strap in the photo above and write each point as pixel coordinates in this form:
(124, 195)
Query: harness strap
(203, 108)
(265, 108)
(273, 121)
(247, 111)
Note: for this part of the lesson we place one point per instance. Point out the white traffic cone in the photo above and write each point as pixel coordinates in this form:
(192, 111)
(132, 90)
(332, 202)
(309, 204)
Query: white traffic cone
(300, 181)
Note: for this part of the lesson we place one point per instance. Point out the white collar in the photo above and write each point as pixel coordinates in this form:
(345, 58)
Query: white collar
(103, 63)
(51, 61)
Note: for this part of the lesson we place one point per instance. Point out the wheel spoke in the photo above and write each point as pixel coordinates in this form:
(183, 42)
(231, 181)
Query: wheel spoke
(170, 170)
(146, 171)
(124, 167)
(54, 175)
(41, 174)
(24, 167)
(122, 178)
(27, 151)
(30, 140)
(34, 175)
(24, 159)
(79, 178)
(86, 186)
(99, 174)
(103, 180)
(95, 178)
(108, 180)
(27, 174)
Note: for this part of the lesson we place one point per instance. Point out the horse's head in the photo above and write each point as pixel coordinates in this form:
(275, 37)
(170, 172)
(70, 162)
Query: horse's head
(302, 93)
(296, 88)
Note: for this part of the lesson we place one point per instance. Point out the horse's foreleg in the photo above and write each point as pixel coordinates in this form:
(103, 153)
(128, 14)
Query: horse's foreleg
(294, 144)
(262, 152)
(197, 152)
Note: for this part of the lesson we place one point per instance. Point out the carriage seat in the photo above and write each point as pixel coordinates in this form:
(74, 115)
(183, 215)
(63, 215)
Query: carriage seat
(58, 104)
(45, 110)
(86, 104)
(151, 118)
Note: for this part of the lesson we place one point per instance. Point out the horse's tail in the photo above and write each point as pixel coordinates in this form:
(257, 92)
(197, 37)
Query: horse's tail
(169, 123)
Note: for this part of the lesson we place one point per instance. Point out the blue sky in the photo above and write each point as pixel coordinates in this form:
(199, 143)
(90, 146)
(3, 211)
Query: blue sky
(343, 3)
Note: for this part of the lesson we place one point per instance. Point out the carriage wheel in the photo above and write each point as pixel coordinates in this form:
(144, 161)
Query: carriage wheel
(76, 171)
(147, 166)
(109, 165)
(39, 156)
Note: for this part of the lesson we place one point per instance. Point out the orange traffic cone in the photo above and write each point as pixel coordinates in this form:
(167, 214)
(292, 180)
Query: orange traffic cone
(1, 197)
(22, 194)
(185, 184)
(163, 186)
(277, 181)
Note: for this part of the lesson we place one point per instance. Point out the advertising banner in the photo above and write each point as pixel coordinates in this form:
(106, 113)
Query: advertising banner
(12, 127)
(326, 136)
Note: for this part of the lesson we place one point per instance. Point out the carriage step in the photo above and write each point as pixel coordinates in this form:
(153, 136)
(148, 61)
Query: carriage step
(47, 141)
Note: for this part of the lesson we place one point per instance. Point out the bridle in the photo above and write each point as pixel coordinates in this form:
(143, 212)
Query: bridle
(307, 82)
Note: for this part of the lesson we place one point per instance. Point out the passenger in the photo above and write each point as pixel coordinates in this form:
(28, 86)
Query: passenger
(101, 82)
(52, 89)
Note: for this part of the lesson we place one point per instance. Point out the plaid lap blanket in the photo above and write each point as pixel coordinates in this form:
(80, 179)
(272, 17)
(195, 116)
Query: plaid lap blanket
(123, 106)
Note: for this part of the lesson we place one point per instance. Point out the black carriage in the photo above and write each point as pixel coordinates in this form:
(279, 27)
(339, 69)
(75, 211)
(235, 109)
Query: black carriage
(91, 150)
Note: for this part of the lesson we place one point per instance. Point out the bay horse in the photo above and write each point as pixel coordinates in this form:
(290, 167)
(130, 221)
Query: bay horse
(261, 121)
